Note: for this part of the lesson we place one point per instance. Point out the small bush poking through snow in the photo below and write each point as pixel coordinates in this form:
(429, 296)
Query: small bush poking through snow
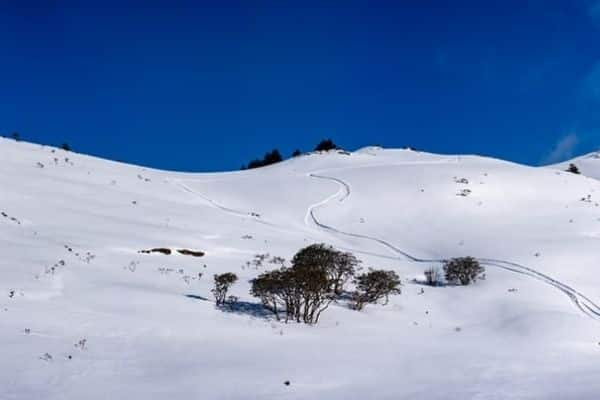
(573, 169)
(374, 286)
(463, 270)
(433, 276)
(222, 284)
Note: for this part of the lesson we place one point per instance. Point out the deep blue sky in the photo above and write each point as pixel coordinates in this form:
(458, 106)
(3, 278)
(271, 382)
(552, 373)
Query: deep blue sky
(194, 85)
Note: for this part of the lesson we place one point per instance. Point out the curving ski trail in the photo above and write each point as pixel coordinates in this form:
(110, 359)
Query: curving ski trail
(582, 302)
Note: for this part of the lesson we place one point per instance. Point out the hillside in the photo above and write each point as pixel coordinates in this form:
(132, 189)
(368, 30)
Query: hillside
(85, 315)
(588, 165)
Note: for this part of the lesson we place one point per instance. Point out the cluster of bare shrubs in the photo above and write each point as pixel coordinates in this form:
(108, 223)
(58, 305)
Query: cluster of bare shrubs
(317, 278)
(260, 259)
(456, 271)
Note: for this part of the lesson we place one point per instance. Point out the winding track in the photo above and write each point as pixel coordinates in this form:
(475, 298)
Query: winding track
(582, 302)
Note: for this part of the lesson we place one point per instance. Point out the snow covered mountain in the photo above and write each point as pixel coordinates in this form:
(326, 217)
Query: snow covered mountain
(85, 315)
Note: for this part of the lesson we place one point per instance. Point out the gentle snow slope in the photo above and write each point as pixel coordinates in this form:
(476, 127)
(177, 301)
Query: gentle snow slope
(588, 165)
(70, 270)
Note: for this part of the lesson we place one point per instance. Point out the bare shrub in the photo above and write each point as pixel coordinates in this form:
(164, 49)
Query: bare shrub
(463, 270)
(573, 169)
(340, 266)
(222, 284)
(433, 276)
(374, 286)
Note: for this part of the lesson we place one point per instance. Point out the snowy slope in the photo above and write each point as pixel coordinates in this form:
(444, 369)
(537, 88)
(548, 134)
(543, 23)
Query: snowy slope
(70, 270)
(588, 165)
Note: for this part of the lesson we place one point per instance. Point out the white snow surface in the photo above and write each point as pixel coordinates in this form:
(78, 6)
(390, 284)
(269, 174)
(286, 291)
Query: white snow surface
(71, 274)
(588, 164)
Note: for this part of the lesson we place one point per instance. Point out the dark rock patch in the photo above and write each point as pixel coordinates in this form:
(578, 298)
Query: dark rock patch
(193, 253)
(161, 250)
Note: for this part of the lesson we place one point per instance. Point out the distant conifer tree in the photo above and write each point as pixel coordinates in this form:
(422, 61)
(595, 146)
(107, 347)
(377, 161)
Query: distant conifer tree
(573, 169)
(270, 157)
(326, 145)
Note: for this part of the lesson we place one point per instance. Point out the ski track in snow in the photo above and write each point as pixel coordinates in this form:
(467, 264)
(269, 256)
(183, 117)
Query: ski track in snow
(239, 213)
(582, 302)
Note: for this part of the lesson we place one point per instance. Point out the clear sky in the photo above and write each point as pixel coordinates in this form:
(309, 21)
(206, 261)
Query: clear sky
(201, 86)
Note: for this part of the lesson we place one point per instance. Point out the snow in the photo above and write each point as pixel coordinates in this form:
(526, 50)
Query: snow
(151, 330)
(588, 165)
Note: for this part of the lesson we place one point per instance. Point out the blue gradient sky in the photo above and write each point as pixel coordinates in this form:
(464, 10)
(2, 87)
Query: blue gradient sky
(201, 86)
